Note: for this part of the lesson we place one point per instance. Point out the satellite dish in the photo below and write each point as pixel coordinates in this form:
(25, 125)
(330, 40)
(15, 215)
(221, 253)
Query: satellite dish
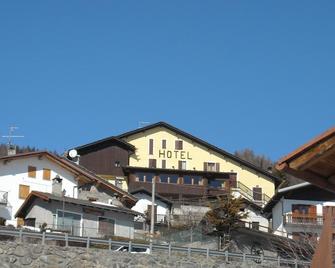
(73, 153)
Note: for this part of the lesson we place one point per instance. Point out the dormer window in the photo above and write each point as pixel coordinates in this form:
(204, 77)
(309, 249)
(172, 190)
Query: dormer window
(117, 164)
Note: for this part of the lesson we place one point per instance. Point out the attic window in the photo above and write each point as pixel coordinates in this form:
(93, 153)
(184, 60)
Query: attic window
(92, 199)
(117, 164)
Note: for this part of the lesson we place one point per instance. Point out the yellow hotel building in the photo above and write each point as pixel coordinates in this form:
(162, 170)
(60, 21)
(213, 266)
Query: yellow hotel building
(186, 165)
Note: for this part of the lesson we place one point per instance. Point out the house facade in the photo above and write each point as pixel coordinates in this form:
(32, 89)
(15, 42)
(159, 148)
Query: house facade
(299, 210)
(184, 166)
(45, 172)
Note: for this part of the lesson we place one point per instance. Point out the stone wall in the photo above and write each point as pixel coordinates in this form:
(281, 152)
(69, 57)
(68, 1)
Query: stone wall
(14, 254)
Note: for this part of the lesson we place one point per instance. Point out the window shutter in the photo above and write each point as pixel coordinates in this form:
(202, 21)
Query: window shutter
(163, 144)
(151, 146)
(152, 163)
(205, 166)
(257, 193)
(31, 172)
(46, 174)
(179, 145)
(23, 191)
(218, 167)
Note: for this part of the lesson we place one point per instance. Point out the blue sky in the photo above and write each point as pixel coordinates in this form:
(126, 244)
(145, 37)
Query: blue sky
(256, 74)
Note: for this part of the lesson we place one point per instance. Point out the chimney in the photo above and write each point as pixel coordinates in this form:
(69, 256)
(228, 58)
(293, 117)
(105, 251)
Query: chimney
(57, 186)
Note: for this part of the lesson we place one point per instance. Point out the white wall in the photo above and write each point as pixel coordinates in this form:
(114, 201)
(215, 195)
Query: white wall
(144, 200)
(15, 172)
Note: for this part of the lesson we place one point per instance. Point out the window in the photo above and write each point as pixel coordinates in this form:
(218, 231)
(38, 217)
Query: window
(211, 166)
(187, 179)
(117, 164)
(163, 144)
(46, 174)
(163, 163)
(67, 221)
(30, 222)
(31, 172)
(179, 145)
(215, 183)
(151, 146)
(23, 191)
(257, 193)
(19, 221)
(152, 163)
(181, 164)
(106, 226)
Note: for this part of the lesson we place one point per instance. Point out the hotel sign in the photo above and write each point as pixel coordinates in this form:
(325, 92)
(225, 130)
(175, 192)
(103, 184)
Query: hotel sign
(174, 154)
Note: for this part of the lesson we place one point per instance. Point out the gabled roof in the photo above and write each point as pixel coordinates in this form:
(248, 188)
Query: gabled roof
(103, 143)
(143, 190)
(203, 143)
(22, 211)
(74, 168)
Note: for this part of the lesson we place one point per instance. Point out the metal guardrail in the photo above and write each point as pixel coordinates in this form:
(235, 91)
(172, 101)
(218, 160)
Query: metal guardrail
(66, 238)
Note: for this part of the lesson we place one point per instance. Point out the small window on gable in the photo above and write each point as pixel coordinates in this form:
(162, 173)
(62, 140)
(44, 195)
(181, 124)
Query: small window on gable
(46, 174)
(31, 172)
(179, 145)
(163, 144)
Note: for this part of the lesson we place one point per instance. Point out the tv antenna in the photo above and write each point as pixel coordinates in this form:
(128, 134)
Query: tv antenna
(142, 124)
(11, 148)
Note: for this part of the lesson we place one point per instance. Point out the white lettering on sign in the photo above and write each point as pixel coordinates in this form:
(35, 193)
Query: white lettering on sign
(174, 154)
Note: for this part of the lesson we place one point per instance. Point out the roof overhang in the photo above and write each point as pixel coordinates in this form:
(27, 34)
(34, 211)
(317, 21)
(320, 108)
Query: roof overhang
(313, 162)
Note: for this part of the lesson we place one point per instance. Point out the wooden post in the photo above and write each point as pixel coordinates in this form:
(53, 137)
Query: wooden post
(207, 253)
(66, 239)
(323, 253)
(109, 244)
(170, 249)
(43, 238)
(88, 243)
(21, 235)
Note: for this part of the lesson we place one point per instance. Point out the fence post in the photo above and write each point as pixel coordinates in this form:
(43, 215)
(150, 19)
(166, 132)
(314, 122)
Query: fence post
(262, 258)
(207, 253)
(226, 255)
(21, 236)
(109, 244)
(150, 247)
(189, 252)
(170, 249)
(278, 261)
(43, 238)
(129, 246)
(66, 239)
(88, 243)
(296, 263)
(243, 257)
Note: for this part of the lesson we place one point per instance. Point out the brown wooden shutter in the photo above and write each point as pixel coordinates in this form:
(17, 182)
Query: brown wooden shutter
(151, 146)
(205, 166)
(31, 172)
(163, 144)
(218, 167)
(46, 174)
(23, 191)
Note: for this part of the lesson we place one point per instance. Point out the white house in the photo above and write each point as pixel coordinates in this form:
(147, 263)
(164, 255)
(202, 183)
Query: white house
(38, 171)
(299, 209)
(143, 205)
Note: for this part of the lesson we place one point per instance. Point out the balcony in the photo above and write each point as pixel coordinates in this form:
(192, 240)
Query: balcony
(303, 219)
(3, 198)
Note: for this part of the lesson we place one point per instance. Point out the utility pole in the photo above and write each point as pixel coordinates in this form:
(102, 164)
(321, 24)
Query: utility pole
(152, 222)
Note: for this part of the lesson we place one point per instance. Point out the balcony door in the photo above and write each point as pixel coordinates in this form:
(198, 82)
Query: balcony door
(303, 213)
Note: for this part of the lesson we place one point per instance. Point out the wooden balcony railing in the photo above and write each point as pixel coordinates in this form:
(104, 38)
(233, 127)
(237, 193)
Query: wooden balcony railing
(300, 219)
